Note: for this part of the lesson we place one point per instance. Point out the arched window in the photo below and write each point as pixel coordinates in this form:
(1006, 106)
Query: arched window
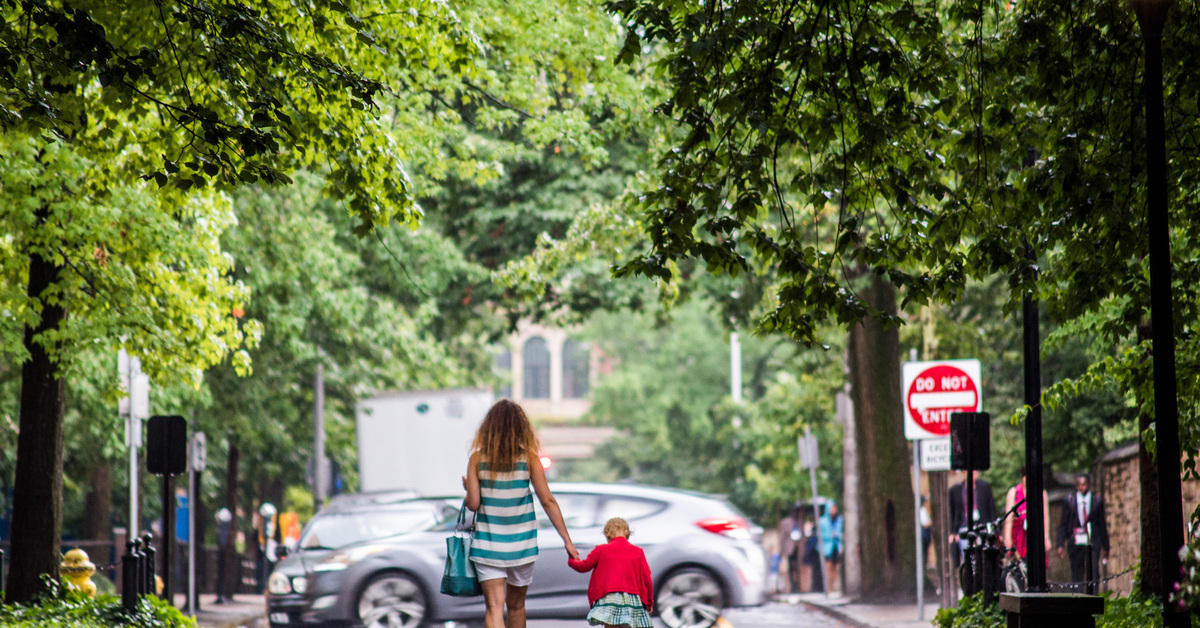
(537, 368)
(576, 360)
(504, 370)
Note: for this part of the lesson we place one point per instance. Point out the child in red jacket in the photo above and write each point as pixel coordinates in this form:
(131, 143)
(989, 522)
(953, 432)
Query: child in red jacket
(620, 591)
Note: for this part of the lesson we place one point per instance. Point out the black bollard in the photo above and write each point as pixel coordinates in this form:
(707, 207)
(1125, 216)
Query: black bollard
(139, 559)
(148, 562)
(130, 579)
(991, 574)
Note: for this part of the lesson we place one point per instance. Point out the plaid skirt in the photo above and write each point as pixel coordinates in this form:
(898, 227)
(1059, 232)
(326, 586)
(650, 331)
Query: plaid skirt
(620, 609)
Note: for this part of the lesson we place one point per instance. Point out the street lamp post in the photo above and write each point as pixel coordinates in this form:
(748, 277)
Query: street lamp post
(1152, 16)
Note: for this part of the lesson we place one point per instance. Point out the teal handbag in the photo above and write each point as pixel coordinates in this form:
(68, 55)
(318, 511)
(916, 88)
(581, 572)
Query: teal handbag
(459, 579)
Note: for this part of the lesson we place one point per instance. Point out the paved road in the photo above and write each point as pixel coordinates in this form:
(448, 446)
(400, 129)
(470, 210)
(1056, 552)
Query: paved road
(246, 613)
(770, 615)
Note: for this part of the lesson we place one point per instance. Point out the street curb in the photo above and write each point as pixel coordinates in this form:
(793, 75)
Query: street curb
(240, 622)
(840, 615)
(833, 610)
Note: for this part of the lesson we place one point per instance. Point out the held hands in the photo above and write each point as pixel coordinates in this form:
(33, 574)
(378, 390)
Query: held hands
(571, 551)
(1061, 552)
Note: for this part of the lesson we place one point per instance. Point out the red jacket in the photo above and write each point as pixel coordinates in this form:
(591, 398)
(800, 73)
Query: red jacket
(620, 568)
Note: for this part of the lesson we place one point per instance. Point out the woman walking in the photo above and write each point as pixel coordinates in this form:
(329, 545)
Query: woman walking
(504, 467)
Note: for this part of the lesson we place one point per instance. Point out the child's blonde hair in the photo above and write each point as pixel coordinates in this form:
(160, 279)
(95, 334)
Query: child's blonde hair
(617, 527)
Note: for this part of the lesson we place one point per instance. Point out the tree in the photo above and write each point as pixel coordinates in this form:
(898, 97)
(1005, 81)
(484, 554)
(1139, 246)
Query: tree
(139, 270)
(195, 96)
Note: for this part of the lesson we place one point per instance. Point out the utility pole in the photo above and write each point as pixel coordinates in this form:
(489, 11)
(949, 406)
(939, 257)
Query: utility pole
(320, 482)
(735, 367)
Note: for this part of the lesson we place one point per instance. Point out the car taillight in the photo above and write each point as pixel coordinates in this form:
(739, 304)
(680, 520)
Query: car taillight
(732, 527)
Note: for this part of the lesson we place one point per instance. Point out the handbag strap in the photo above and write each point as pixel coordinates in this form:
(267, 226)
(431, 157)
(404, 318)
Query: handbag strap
(461, 525)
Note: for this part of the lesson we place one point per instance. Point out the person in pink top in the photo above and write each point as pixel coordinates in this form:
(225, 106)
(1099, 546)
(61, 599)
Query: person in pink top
(1015, 526)
(620, 591)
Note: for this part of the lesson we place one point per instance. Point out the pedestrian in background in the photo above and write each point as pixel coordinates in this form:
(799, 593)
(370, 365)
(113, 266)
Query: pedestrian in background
(1016, 526)
(812, 555)
(1082, 531)
(504, 471)
(830, 528)
(985, 510)
(791, 532)
(621, 590)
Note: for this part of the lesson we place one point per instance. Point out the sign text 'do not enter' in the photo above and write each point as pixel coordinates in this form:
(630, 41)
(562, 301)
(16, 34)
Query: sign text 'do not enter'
(935, 390)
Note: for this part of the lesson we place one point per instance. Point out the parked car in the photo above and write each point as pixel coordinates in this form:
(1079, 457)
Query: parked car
(701, 550)
(351, 521)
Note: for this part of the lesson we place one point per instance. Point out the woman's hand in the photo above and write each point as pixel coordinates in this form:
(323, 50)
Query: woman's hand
(571, 551)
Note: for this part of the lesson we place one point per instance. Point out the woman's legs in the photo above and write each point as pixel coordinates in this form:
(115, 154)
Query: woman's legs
(493, 598)
(831, 568)
(515, 599)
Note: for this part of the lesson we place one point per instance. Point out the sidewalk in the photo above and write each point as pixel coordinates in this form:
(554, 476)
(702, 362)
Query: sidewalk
(245, 610)
(863, 615)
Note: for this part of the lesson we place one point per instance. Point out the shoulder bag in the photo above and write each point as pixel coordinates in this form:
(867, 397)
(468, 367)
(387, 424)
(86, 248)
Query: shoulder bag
(459, 579)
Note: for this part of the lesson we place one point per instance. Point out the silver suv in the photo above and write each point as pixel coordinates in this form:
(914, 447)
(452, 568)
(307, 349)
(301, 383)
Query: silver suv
(703, 554)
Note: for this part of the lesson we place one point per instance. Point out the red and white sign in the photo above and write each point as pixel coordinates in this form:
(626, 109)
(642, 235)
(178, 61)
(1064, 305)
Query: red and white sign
(935, 390)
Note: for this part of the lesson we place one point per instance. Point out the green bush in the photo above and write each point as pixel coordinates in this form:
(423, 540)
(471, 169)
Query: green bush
(971, 613)
(60, 606)
(1134, 611)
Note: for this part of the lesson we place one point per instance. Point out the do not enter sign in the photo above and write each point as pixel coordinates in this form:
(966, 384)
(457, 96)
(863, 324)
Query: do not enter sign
(935, 390)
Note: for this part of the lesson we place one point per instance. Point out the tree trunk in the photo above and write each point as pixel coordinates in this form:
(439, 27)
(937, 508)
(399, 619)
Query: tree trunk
(1150, 573)
(98, 505)
(885, 480)
(233, 564)
(38, 482)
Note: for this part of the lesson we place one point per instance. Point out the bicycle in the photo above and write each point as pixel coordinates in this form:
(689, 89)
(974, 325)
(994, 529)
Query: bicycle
(981, 569)
(1015, 574)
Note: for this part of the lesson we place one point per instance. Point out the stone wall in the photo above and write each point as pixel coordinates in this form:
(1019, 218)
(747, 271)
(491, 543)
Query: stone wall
(1117, 478)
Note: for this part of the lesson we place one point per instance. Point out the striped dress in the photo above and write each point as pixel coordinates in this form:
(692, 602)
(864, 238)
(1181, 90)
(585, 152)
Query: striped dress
(505, 527)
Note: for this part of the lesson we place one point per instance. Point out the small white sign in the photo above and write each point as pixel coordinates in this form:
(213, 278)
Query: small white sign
(136, 384)
(935, 454)
(809, 453)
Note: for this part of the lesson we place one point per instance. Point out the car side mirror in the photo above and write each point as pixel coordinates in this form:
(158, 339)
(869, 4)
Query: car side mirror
(281, 552)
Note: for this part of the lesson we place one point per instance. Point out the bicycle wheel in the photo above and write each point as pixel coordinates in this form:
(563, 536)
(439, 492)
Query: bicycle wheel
(966, 575)
(1013, 577)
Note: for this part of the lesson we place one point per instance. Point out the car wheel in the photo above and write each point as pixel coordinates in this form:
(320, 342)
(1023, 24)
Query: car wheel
(392, 600)
(690, 598)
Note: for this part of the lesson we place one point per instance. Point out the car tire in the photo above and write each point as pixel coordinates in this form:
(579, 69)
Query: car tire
(392, 600)
(691, 597)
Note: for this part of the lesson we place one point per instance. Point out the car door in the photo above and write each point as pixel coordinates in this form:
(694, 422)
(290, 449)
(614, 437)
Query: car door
(557, 590)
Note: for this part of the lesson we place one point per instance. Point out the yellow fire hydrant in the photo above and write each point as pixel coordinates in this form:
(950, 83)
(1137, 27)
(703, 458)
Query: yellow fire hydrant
(78, 570)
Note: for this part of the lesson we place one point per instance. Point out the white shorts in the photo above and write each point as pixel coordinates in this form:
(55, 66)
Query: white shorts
(519, 576)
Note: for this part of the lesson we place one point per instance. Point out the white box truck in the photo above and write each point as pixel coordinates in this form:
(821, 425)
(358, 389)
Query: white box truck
(418, 440)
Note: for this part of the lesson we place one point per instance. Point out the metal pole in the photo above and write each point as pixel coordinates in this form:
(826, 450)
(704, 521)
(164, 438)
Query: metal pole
(812, 478)
(168, 535)
(320, 482)
(1152, 16)
(133, 429)
(735, 367)
(1035, 514)
(916, 448)
(191, 592)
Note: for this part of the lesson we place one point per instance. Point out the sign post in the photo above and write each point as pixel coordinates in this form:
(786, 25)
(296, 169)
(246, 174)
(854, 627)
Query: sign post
(933, 391)
(135, 404)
